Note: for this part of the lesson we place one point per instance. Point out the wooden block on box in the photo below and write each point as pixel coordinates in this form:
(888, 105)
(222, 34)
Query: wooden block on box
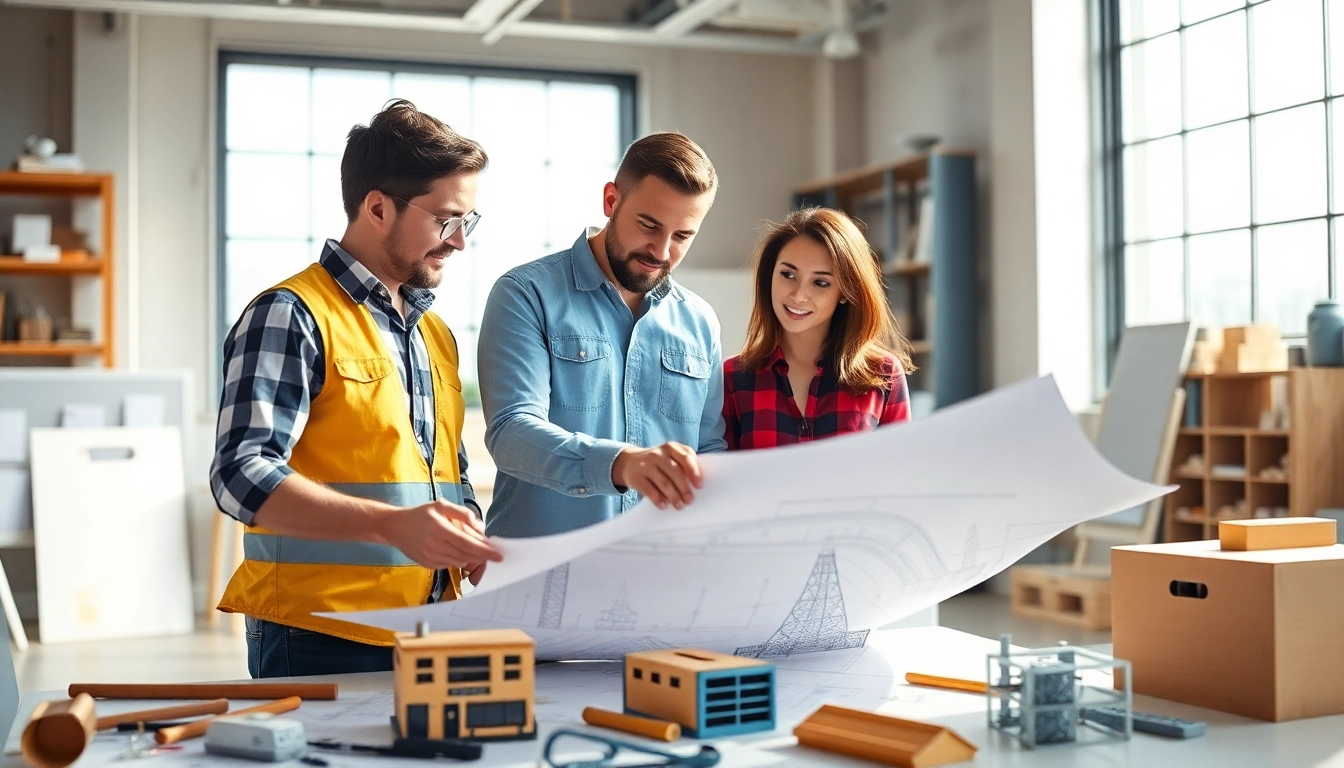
(1275, 533)
(1257, 335)
(1079, 597)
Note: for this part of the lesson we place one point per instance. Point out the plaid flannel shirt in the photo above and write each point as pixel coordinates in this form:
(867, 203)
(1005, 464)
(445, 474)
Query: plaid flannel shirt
(760, 412)
(274, 367)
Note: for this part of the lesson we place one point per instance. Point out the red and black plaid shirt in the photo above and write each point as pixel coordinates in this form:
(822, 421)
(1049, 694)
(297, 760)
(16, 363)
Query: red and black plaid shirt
(760, 411)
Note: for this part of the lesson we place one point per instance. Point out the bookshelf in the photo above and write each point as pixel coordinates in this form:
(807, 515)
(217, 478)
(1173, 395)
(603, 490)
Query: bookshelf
(1226, 432)
(88, 272)
(935, 299)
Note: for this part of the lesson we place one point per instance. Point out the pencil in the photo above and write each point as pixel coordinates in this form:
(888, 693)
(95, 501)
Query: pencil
(949, 683)
(199, 727)
(214, 707)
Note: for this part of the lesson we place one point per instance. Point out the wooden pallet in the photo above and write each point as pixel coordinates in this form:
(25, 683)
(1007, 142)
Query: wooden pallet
(1077, 596)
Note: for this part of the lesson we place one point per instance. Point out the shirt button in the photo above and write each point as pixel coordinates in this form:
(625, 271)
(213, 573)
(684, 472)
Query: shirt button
(630, 391)
(581, 491)
(582, 353)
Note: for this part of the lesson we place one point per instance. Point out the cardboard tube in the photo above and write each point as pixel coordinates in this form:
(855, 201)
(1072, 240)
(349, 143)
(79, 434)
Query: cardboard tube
(59, 731)
(310, 691)
(640, 726)
(198, 728)
(215, 707)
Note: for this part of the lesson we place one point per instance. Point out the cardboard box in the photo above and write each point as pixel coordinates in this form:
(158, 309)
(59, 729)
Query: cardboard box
(1253, 633)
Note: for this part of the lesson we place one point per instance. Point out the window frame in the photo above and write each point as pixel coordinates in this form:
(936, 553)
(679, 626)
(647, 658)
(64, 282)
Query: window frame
(1109, 106)
(626, 83)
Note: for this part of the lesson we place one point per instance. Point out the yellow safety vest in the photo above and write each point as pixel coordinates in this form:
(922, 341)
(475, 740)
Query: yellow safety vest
(359, 441)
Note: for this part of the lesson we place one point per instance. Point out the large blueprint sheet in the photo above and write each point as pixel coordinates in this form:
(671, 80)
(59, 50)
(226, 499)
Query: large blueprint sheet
(804, 548)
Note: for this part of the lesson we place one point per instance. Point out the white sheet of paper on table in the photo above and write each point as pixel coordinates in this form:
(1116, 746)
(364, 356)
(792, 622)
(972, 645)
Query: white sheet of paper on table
(804, 548)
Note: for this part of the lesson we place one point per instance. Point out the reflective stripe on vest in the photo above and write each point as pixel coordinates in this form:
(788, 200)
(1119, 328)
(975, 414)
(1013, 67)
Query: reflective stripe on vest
(273, 548)
(400, 494)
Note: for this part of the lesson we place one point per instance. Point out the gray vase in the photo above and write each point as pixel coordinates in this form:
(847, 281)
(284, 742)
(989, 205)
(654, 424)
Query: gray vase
(1325, 334)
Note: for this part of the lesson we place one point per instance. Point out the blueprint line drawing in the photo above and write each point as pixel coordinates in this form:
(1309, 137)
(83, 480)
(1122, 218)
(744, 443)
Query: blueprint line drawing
(553, 597)
(817, 621)
(803, 549)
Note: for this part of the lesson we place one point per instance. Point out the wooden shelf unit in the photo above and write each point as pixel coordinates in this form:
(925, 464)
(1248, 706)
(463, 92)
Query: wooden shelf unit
(936, 300)
(1230, 407)
(73, 264)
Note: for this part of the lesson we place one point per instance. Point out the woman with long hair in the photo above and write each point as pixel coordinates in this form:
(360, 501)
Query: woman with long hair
(823, 354)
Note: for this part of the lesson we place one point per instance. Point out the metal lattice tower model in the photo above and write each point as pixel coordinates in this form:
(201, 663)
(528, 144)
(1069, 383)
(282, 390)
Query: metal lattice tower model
(619, 615)
(553, 597)
(817, 621)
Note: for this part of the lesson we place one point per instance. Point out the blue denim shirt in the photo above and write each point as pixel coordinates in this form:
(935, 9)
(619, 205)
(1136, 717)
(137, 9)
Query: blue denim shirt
(569, 377)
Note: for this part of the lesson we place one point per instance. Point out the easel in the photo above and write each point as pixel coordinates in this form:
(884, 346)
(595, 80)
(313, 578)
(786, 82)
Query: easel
(1142, 411)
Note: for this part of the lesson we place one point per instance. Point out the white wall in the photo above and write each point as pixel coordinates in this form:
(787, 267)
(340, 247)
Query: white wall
(1009, 80)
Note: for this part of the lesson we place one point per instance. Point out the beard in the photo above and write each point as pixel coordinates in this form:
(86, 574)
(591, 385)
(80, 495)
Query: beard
(628, 275)
(412, 269)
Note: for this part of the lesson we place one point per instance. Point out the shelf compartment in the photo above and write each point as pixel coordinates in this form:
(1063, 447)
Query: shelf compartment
(71, 263)
(48, 349)
(1238, 401)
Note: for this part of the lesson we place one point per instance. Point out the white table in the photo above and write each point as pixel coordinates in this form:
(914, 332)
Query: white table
(1230, 741)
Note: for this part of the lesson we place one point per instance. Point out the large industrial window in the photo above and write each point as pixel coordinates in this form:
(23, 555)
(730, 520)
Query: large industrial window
(553, 139)
(1224, 139)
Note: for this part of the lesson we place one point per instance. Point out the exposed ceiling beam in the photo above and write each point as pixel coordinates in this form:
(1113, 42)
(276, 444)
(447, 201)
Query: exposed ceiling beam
(519, 12)
(484, 13)
(592, 33)
(692, 16)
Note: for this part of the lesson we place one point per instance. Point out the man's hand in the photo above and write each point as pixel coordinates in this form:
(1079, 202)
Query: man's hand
(439, 535)
(474, 572)
(662, 475)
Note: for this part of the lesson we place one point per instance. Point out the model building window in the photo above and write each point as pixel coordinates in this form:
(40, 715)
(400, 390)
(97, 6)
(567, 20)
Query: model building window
(1229, 150)
(639, 673)
(675, 682)
(424, 678)
(513, 659)
(424, 663)
(512, 674)
(554, 138)
(655, 678)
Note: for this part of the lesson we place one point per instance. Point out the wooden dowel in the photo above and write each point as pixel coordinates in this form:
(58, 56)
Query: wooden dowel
(192, 730)
(640, 726)
(310, 691)
(215, 707)
(950, 683)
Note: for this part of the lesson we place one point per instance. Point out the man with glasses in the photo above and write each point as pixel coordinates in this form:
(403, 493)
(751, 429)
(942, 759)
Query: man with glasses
(340, 424)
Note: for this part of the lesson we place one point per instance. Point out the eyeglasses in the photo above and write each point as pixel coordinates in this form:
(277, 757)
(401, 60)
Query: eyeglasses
(706, 757)
(450, 225)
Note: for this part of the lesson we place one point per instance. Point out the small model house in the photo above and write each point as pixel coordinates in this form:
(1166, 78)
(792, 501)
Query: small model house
(709, 694)
(477, 685)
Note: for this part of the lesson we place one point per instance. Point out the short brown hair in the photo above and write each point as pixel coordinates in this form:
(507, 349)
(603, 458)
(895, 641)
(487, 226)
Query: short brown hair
(863, 334)
(672, 158)
(401, 153)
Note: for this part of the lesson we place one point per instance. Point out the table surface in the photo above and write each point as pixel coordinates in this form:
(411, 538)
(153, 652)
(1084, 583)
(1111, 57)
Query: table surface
(1230, 740)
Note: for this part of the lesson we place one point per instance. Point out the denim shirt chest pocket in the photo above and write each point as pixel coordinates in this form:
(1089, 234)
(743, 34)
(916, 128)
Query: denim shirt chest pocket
(581, 371)
(684, 386)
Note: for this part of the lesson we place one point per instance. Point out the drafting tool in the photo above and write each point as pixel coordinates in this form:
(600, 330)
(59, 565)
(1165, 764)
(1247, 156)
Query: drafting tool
(212, 707)
(423, 748)
(950, 683)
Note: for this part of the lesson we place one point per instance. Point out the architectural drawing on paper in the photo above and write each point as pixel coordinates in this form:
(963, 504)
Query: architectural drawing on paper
(817, 621)
(553, 597)
(619, 616)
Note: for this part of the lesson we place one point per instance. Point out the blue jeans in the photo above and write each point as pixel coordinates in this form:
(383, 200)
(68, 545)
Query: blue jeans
(275, 650)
